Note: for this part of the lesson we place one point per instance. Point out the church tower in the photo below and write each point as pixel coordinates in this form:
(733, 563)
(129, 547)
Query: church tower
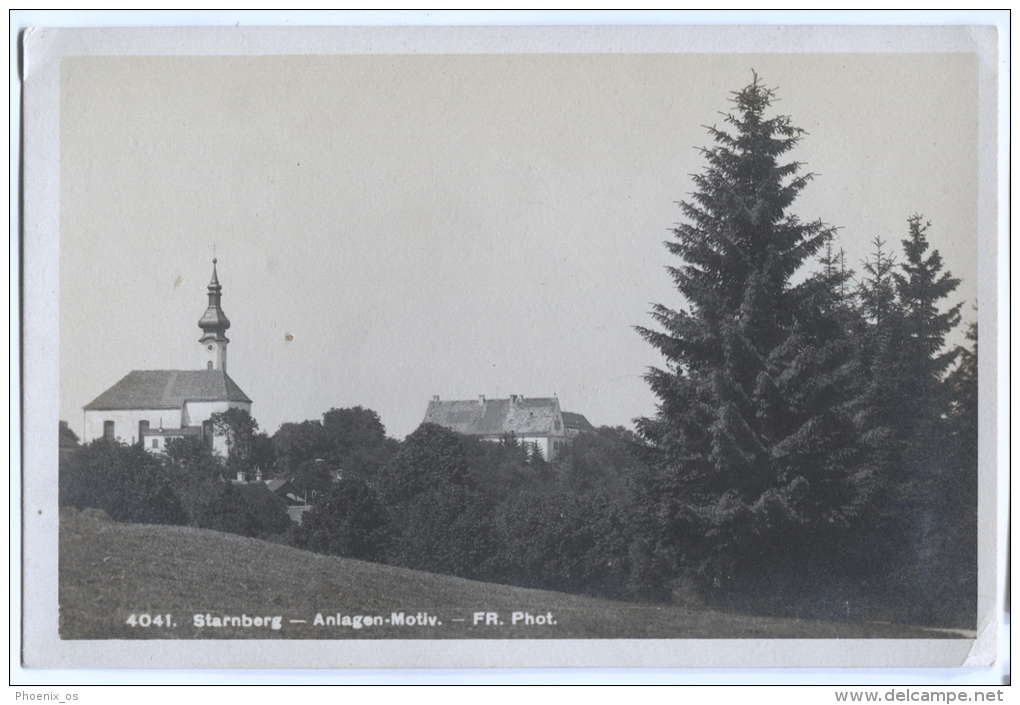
(214, 324)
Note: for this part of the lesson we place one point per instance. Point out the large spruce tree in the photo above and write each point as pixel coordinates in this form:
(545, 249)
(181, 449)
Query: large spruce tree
(935, 482)
(922, 286)
(763, 468)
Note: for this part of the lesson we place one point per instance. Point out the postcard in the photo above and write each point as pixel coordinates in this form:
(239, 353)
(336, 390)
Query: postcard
(511, 347)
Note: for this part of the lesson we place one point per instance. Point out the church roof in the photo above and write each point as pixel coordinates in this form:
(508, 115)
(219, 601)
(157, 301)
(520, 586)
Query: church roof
(492, 417)
(168, 389)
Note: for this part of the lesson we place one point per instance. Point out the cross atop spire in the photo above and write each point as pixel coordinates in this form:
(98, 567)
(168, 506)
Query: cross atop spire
(215, 281)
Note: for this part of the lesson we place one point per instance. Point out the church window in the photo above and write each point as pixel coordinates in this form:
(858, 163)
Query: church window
(155, 443)
(108, 430)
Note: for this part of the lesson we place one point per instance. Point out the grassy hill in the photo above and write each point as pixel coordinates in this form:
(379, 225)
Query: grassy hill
(109, 571)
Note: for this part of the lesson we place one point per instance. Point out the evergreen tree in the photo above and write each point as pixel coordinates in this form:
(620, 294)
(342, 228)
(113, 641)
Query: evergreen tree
(762, 465)
(960, 509)
(930, 469)
(922, 285)
(963, 389)
(880, 349)
(879, 409)
(877, 291)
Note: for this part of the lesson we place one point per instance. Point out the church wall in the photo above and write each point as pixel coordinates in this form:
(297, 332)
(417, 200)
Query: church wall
(195, 412)
(125, 422)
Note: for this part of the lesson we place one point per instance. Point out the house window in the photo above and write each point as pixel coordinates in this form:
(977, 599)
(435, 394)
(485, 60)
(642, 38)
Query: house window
(143, 428)
(208, 365)
(155, 443)
(108, 430)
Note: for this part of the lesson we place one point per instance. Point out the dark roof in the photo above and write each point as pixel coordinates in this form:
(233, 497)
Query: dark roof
(576, 421)
(493, 417)
(168, 389)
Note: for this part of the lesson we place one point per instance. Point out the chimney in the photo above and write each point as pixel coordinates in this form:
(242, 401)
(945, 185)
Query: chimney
(435, 397)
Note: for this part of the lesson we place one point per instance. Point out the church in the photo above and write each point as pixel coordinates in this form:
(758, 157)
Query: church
(152, 407)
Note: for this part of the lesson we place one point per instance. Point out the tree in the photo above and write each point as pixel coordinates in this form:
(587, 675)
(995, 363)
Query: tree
(934, 476)
(922, 286)
(431, 456)
(442, 522)
(246, 509)
(126, 482)
(881, 347)
(763, 471)
(357, 441)
(961, 485)
(877, 291)
(195, 471)
(963, 389)
(297, 443)
(263, 454)
(239, 428)
(67, 437)
(355, 427)
(313, 478)
(350, 521)
(586, 528)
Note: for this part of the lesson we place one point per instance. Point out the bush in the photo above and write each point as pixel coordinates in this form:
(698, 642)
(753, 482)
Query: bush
(126, 482)
(350, 521)
(249, 510)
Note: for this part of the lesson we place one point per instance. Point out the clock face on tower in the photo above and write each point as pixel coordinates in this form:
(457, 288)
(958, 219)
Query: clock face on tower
(209, 348)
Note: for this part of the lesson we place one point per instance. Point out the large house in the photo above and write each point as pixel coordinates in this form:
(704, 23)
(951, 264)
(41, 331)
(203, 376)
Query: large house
(151, 407)
(537, 422)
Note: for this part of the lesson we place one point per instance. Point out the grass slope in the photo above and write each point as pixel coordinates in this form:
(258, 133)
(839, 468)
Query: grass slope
(109, 571)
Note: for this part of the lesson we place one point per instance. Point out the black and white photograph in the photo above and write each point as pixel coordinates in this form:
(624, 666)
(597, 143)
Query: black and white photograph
(362, 340)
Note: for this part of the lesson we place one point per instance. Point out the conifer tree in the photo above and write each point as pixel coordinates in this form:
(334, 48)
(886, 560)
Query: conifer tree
(932, 477)
(879, 408)
(877, 291)
(963, 388)
(880, 347)
(762, 465)
(922, 285)
(960, 518)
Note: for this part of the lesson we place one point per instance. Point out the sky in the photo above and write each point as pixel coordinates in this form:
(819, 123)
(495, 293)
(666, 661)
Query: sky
(389, 228)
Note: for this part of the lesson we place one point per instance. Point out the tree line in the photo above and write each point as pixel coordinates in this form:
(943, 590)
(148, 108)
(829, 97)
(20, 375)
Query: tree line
(813, 451)
(436, 501)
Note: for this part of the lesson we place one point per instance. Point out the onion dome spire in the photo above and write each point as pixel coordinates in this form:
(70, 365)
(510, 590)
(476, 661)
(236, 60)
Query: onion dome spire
(214, 322)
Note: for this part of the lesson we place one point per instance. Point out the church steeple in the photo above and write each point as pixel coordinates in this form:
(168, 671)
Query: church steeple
(214, 324)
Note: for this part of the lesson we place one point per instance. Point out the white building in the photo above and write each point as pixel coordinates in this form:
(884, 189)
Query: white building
(153, 406)
(537, 422)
